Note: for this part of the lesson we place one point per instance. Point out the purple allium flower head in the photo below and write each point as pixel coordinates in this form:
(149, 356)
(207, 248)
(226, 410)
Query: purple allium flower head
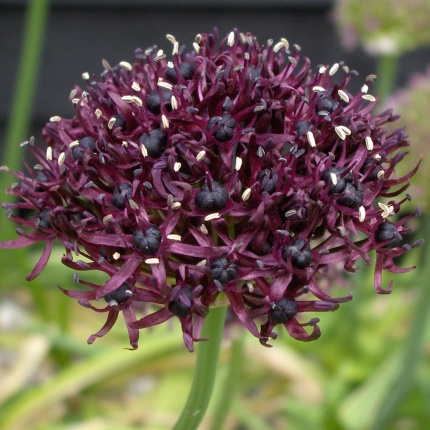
(233, 172)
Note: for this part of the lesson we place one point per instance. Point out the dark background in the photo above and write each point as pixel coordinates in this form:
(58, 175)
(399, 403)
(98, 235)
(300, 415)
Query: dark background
(82, 32)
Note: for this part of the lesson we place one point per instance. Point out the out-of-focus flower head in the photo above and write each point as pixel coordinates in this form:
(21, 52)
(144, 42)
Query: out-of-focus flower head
(384, 26)
(232, 173)
(413, 102)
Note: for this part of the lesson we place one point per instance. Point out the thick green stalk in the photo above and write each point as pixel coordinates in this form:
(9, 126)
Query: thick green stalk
(24, 92)
(230, 383)
(205, 371)
(18, 126)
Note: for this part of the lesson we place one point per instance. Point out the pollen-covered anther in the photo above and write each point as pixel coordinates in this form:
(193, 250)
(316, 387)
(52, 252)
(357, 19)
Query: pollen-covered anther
(210, 217)
(165, 121)
(107, 218)
(116, 255)
(342, 131)
(144, 150)
(137, 101)
(176, 205)
(160, 55)
(85, 76)
(364, 89)
(124, 143)
(322, 69)
(238, 163)
(369, 143)
(283, 43)
(230, 39)
(380, 174)
(333, 69)
(55, 118)
(250, 287)
(175, 237)
(368, 97)
(311, 139)
(202, 263)
(196, 47)
(111, 123)
(343, 95)
(361, 213)
(133, 204)
(61, 158)
(318, 89)
(201, 155)
(177, 166)
(164, 84)
(246, 194)
(152, 261)
(49, 153)
(387, 210)
(333, 178)
(135, 86)
(127, 99)
(126, 65)
(174, 102)
(203, 229)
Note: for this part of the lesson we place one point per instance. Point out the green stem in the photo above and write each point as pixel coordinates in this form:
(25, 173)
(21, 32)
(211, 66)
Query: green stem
(386, 75)
(230, 383)
(205, 372)
(24, 92)
(413, 344)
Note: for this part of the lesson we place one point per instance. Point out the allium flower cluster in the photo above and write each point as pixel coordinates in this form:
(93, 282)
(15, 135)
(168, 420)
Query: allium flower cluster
(232, 173)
